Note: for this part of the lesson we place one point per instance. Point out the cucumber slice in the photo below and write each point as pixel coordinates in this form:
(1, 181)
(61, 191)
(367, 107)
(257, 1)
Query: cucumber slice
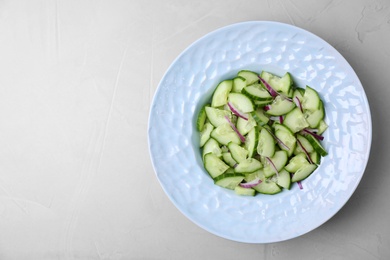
(257, 92)
(244, 126)
(315, 157)
(314, 118)
(322, 126)
(239, 154)
(214, 165)
(229, 180)
(280, 84)
(266, 144)
(284, 179)
(305, 143)
(221, 93)
(238, 84)
(295, 120)
(212, 146)
(224, 134)
(260, 117)
(227, 158)
(201, 120)
(251, 141)
(279, 160)
(248, 166)
(311, 99)
(303, 172)
(262, 103)
(216, 116)
(288, 139)
(280, 106)
(249, 76)
(241, 102)
(205, 133)
(267, 187)
(299, 92)
(244, 191)
(259, 174)
(296, 162)
(316, 145)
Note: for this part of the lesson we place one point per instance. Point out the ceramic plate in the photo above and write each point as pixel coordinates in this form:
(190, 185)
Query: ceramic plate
(188, 85)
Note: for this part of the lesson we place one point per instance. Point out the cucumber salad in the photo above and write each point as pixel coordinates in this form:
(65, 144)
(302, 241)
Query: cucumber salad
(260, 133)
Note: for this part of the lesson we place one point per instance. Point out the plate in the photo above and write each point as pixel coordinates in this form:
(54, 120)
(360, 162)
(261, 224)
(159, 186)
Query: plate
(189, 83)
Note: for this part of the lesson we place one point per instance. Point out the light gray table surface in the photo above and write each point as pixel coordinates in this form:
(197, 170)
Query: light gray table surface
(76, 84)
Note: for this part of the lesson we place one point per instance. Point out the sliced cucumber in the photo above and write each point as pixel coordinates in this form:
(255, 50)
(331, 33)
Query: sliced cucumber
(267, 187)
(266, 144)
(322, 126)
(239, 154)
(303, 141)
(224, 134)
(280, 84)
(299, 92)
(221, 93)
(288, 139)
(260, 117)
(214, 165)
(238, 84)
(280, 106)
(212, 146)
(314, 117)
(296, 162)
(248, 166)
(257, 92)
(201, 120)
(249, 76)
(284, 179)
(316, 145)
(227, 158)
(244, 191)
(315, 157)
(295, 120)
(262, 103)
(311, 100)
(250, 144)
(217, 116)
(252, 139)
(205, 134)
(241, 102)
(303, 172)
(229, 180)
(279, 160)
(244, 126)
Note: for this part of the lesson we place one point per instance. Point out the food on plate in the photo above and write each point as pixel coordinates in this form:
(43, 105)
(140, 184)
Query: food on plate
(260, 133)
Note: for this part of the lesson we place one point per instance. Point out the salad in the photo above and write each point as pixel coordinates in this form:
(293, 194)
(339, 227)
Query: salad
(260, 133)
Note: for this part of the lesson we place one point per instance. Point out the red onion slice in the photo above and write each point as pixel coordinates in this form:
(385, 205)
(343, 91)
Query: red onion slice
(278, 140)
(305, 151)
(298, 103)
(272, 165)
(319, 137)
(242, 138)
(250, 184)
(236, 111)
(300, 185)
(271, 91)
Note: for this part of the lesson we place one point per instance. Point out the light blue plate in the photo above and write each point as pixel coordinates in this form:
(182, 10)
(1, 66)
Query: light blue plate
(188, 85)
